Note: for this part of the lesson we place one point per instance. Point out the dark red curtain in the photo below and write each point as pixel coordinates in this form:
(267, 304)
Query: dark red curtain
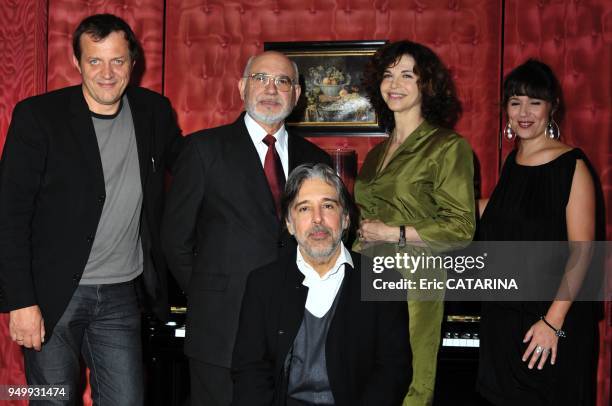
(195, 51)
(23, 49)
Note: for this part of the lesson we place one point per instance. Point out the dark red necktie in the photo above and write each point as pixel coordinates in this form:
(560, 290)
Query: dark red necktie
(274, 171)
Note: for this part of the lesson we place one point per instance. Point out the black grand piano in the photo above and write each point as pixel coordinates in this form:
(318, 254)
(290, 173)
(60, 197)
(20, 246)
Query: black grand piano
(168, 372)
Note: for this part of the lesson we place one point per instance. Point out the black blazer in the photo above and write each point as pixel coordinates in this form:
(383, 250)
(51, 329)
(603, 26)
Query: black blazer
(52, 191)
(367, 349)
(219, 224)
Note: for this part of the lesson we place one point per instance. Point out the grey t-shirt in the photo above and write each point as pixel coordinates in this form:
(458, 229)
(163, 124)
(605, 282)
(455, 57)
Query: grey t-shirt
(116, 255)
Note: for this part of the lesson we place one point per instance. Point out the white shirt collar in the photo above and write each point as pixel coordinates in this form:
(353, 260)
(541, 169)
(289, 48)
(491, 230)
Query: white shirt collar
(257, 133)
(310, 273)
(322, 291)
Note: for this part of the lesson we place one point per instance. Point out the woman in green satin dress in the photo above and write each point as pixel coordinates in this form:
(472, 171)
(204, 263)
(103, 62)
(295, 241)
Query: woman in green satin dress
(417, 186)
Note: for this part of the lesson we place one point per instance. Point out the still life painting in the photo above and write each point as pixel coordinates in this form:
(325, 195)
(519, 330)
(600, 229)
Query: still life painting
(331, 76)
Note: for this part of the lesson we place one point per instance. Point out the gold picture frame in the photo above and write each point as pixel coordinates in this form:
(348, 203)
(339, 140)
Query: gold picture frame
(333, 97)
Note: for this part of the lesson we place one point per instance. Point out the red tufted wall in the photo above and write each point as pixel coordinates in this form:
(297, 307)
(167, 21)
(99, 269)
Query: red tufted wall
(575, 39)
(209, 42)
(195, 51)
(146, 17)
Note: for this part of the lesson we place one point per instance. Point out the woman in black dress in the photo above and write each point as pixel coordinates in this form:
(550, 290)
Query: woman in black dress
(538, 353)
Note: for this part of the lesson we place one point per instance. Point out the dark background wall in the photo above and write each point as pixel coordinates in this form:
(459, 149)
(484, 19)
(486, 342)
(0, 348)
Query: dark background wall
(195, 51)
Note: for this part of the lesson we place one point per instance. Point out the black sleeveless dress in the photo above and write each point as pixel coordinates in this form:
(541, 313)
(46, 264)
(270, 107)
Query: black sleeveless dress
(528, 204)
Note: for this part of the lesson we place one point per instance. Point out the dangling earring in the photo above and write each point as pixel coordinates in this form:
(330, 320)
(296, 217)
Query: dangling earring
(509, 132)
(552, 129)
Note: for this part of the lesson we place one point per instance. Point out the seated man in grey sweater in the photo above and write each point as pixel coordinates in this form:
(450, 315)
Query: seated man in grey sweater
(305, 337)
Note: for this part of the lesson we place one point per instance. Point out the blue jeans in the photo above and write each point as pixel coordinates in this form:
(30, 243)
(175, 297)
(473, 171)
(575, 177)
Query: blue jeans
(102, 324)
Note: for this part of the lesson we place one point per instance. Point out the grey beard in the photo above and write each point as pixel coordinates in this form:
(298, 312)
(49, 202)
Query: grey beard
(320, 254)
(268, 119)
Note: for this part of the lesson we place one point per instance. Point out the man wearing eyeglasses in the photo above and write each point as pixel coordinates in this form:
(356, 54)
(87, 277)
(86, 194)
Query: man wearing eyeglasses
(222, 215)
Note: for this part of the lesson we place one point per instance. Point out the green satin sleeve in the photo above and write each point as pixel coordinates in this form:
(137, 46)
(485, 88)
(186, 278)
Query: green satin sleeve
(428, 184)
(454, 221)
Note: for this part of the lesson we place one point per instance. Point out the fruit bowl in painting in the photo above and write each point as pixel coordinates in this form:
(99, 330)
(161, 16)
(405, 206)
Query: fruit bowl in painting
(331, 89)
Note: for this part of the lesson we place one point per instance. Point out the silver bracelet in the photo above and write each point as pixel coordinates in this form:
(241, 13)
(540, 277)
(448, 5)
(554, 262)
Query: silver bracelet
(558, 332)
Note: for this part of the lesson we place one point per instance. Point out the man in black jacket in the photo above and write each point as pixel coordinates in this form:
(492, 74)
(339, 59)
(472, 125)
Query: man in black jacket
(221, 219)
(81, 192)
(305, 337)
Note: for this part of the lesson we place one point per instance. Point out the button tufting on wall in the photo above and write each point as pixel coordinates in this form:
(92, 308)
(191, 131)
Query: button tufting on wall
(312, 10)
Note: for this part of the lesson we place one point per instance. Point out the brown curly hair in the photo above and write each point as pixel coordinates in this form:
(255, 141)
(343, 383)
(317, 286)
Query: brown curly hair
(439, 105)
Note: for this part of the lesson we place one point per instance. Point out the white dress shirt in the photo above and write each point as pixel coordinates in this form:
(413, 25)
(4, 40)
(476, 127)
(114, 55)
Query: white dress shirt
(323, 290)
(257, 134)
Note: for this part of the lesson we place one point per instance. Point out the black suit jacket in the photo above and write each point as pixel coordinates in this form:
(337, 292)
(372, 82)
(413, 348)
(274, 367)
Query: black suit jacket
(367, 349)
(52, 191)
(219, 224)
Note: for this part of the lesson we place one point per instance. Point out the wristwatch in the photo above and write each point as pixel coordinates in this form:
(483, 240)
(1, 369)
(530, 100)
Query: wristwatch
(402, 239)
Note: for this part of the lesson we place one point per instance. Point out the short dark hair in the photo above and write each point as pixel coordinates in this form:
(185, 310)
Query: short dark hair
(99, 26)
(533, 79)
(326, 174)
(439, 105)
